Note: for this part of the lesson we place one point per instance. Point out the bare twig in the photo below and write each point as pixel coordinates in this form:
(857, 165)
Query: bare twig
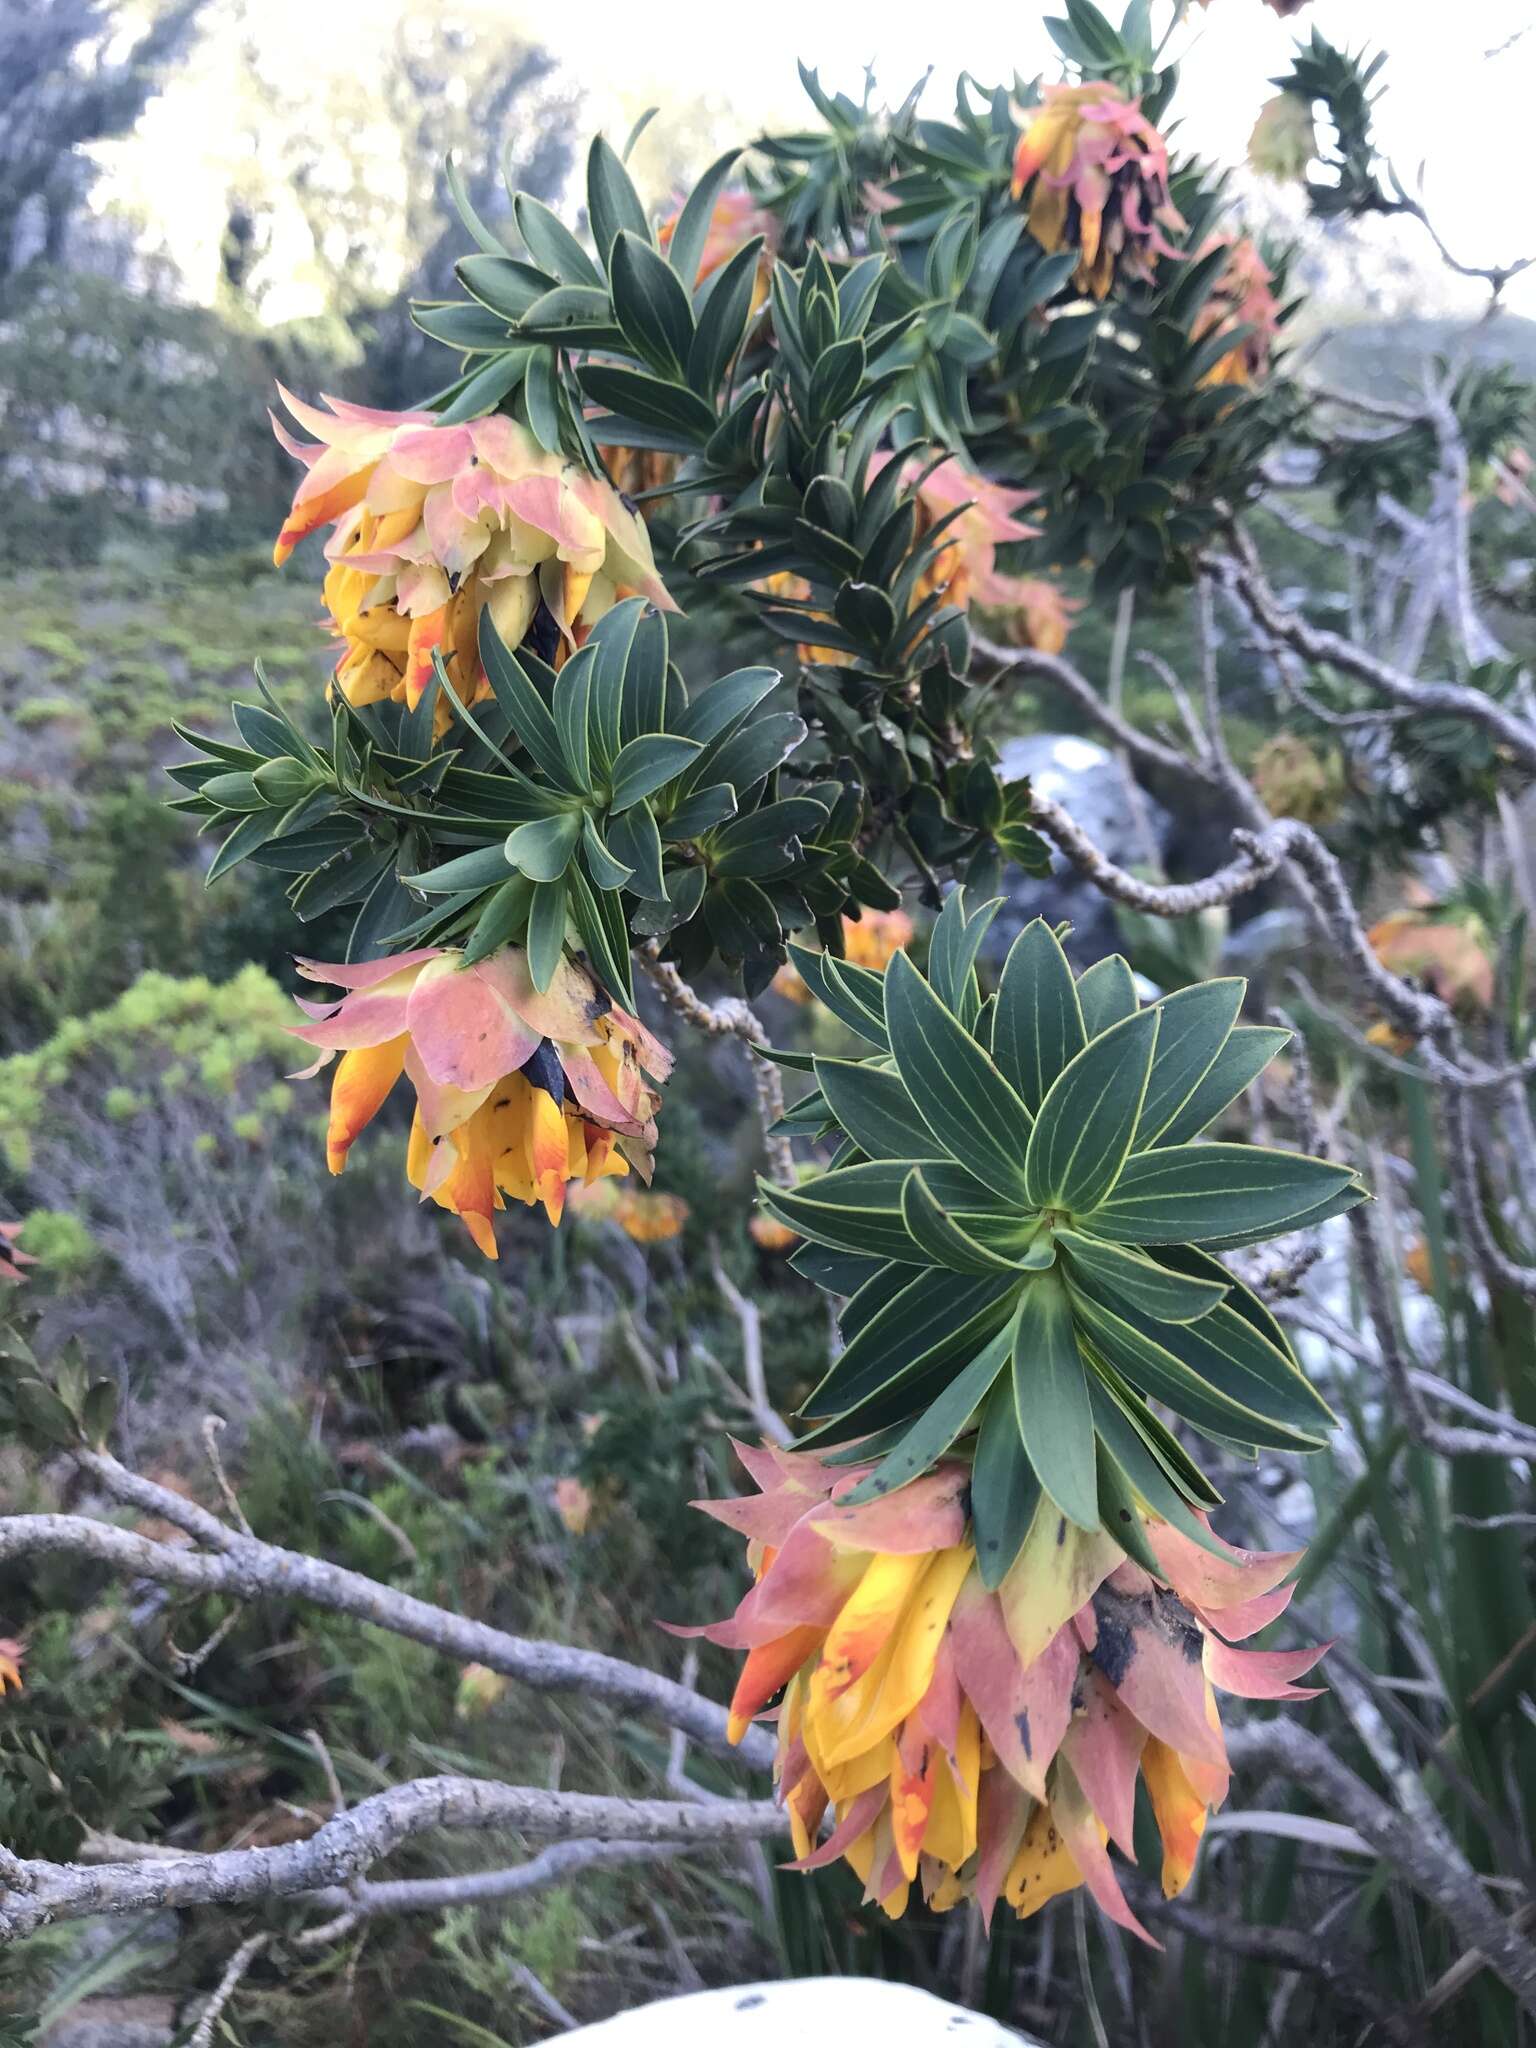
(1431, 1865)
(1242, 575)
(349, 1844)
(253, 1570)
(730, 1017)
(242, 1959)
(561, 1861)
(750, 1321)
(1054, 668)
(1286, 1949)
(213, 1429)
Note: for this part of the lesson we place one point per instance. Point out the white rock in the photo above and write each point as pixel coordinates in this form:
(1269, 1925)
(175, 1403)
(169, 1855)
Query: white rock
(806, 2009)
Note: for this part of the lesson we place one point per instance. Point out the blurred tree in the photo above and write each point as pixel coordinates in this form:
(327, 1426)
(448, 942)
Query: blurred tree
(67, 80)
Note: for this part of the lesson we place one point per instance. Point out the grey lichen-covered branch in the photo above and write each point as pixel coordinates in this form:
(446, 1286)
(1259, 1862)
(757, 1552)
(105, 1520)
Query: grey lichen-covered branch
(1242, 575)
(36, 1894)
(245, 1568)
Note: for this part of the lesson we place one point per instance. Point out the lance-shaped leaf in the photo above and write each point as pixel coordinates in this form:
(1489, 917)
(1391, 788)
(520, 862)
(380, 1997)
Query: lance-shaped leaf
(643, 765)
(1248, 1050)
(1226, 1349)
(937, 1319)
(1133, 1281)
(1106, 993)
(873, 1108)
(1189, 1194)
(1005, 1488)
(1037, 1028)
(1083, 1132)
(921, 1446)
(1153, 1368)
(1122, 1438)
(853, 1208)
(934, 1231)
(848, 1009)
(1196, 1023)
(1050, 1393)
(526, 711)
(961, 1096)
(546, 933)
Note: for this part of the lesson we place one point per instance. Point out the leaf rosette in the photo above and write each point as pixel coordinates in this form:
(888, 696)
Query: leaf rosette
(1026, 1221)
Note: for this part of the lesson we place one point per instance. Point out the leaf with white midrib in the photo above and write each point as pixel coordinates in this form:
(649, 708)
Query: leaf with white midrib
(971, 1110)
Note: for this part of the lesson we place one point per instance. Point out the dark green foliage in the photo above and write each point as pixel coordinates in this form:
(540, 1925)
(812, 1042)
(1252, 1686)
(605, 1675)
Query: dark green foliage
(1009, 1228)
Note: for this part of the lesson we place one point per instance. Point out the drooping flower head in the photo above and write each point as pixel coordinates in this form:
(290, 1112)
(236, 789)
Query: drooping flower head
(987, 1744)
(1242, 298)
(517, 1093)
(432, 524)
(1096, 171)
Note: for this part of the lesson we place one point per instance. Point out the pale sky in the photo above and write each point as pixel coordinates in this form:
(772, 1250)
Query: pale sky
(1461, 86)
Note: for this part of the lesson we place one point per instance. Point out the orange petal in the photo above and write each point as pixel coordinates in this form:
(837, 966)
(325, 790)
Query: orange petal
(768, 1668)
(1180, 1812)
(363, 1078)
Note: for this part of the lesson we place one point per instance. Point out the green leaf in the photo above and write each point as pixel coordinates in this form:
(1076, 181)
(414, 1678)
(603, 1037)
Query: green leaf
(935, 1232)
(485, 868)
(504, 287)
(1050, 1394)
(613, 639)
(1225, 1348)
(937, 1427)
(525, 709)
(542, 848)
(1143, 1471)
(634, 839)
(952, 948)
(606, 871)
(1106, 993)
(650, 402)
(819, 973)
(1152, 1368)
(726, 702)
(644, 765)
(1005, 1488)
(1037, 1028)
(1083, 1132)
(1138, 1283)
(685, 248)
(767, 841)
(934, 1320)
(552, 245)
(722, 320)
(698, 812)
(613, 204)
(572, 714)
(873, 1108)
(601, 929)
(752, 753)
(959, 1093)
(651, 303)
(1196, 1024)
(503, 919)
(1247, 1052)
(1189, 1194)
(1119, 1512)
(835, 1272)
(546, 933)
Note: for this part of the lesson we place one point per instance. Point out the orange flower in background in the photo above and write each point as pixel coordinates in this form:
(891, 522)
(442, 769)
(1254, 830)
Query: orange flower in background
(1242, 298)
(987, 1745)
(517, 1093)
(645, 1216)
(11, 1654)
(1451, 956)
(869, 940)
(1096, 172)
(432, 525)
(1043, 614)
(768, 1234)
